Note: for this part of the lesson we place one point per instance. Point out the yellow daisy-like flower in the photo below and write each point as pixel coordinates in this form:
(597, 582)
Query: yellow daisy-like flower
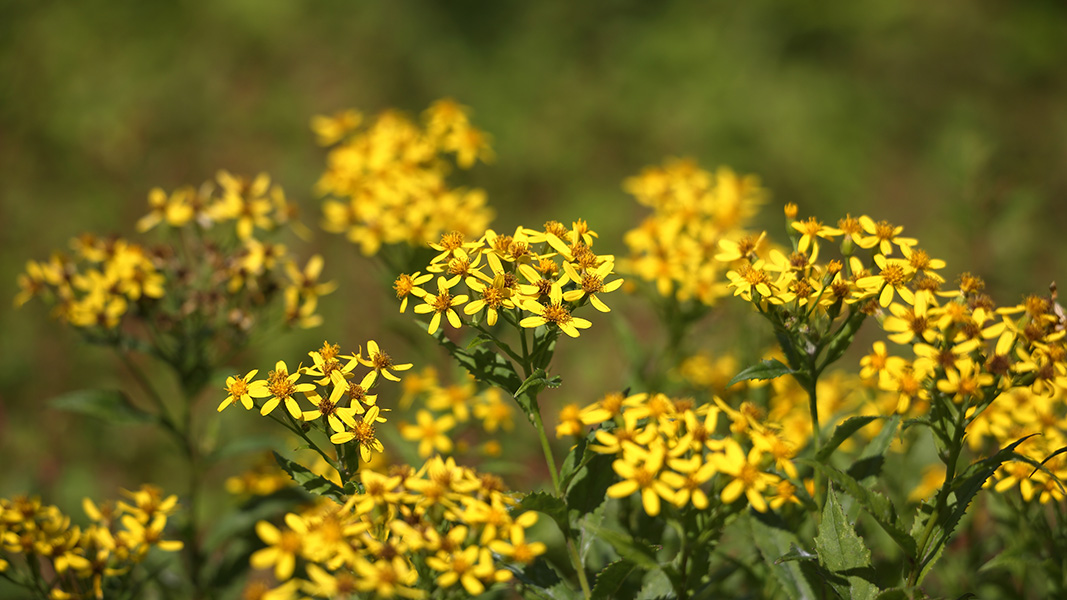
(748, 476)
(590, 283)
(432, 434)
(282, 385)
(382, 364)
(243, 389)
(641, 471)
(283, 546)
(442, 303)
(362, 431)
(554, 313)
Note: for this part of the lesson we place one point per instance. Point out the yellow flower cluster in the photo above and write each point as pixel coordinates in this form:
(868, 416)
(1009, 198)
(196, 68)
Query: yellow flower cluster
(40, 549)
(407, 533)
(531, 278)
(1004, 368)
(448, 407)
(230, 278)
(105, 279)
(388, 180)
(670, 449)
(693, 210)
(349, 409)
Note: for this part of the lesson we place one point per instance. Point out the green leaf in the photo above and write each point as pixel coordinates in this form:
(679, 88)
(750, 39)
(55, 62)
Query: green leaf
(109, 405)
(548, 505)
(876, 505)
(796, 553)
(843, 553)
(765, 369)
(642, 555)
(871, 460)
(657, 587)
(574, 461)
(590, 487)
(776, 542)
(841, 433)
(314, 484)
(611, 582)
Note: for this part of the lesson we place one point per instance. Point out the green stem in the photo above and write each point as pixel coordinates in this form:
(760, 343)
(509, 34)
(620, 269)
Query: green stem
(942, 495)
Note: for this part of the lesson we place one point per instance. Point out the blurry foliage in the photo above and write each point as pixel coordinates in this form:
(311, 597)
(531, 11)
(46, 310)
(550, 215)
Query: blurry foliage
(948, 116)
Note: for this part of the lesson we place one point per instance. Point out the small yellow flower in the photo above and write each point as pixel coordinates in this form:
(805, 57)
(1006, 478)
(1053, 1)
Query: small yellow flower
(243, 389)
(554, 313)
(442, 303)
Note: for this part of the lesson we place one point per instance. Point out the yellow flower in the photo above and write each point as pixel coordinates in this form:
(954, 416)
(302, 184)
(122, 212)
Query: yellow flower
(408, 285)
(442, 303)
(138, 534)
(590, 283)
(282, 546)
(241, 388)
(430, 433)
(892, 279)
(362, 432)
(966, 383)
(554, 313)
(811, 229)
(641, 471)
(382, 364)
(282, 386)
(748, 475)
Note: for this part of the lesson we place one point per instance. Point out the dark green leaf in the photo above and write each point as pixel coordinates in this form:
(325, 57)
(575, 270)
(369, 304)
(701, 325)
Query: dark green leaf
(841, 433)
(775, 541)
(642, 555)
(611, 582)
(843, 553)
(548, 505)
(871, 460)
(765, 369)
(894, 594)
(314, 484)
(110, 405)
(590, 487)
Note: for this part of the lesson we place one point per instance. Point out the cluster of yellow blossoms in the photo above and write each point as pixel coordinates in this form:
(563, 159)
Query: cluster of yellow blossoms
(438, 427)
(675, 248)
(1003, 369)
(227, 277)
(41, 550)
(531, 278)
(388, 180)
(342, 408)
(407, 533)
(670, 449)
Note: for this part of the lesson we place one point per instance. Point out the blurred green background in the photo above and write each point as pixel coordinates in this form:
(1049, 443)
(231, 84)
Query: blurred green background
(949, 118)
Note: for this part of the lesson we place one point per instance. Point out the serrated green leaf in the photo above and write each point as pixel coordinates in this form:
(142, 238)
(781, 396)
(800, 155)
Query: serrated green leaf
(537, 381)
(774, 541)
(876, 505)
(589, 488)
(549, 505)
(110, 405)
(841, 433)
(611, 582)
(765, 369)
(314, 484)
(657, 586)
(843, 553)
